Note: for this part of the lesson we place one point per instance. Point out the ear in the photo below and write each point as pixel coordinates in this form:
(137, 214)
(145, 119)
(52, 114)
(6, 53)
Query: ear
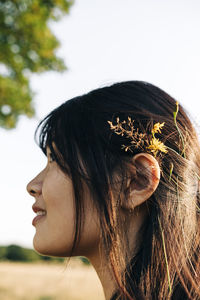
(144, 179)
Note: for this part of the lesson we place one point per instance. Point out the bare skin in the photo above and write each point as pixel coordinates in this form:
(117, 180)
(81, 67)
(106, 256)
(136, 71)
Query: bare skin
(53, 193)
(100, 263)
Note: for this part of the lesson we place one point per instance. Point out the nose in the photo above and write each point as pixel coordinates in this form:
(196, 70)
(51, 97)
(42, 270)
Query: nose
(34, 187)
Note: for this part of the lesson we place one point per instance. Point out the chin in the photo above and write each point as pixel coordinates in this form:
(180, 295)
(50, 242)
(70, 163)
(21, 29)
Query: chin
(40, 247)
(49, 249)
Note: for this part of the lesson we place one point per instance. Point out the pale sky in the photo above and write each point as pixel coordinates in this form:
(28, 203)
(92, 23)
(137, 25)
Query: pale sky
(102, 42)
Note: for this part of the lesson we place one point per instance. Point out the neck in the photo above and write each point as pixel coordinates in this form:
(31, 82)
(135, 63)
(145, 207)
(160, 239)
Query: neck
(100, 260)
(101, 266)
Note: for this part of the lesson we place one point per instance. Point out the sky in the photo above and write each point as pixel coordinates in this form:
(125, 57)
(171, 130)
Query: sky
(102, 42)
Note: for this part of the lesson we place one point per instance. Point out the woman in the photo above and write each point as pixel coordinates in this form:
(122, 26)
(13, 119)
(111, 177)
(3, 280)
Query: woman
(121, 187)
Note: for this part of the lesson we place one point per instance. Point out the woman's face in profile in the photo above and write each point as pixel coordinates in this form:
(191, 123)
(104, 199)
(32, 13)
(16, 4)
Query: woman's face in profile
(54, 200)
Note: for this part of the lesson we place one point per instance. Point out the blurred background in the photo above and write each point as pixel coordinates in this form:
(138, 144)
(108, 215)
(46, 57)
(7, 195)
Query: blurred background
(53, 50)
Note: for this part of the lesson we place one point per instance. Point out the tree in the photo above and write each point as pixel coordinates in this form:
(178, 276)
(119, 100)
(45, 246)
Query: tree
(15, 253)
(27, 46)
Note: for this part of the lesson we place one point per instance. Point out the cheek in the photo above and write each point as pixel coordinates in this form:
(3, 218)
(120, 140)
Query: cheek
(55, 235)
(90, 235)
(57, 192)
(59, 200)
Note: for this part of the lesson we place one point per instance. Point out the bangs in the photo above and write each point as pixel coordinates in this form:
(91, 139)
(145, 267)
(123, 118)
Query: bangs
(45, 136)
(59, 131)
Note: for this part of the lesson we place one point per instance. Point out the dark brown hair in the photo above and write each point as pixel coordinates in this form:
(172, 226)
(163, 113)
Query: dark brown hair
(167, 264)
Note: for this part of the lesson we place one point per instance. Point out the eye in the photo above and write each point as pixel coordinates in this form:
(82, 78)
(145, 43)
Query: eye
(51, 157)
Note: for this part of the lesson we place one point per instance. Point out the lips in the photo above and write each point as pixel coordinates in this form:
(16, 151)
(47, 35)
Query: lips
(36, 208)
(41, 214)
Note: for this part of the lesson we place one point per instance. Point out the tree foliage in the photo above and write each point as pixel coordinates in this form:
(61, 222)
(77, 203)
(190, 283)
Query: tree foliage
(27, 46)
(17, 253)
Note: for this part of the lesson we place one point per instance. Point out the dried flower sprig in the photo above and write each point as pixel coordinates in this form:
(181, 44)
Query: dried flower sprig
(137, 139)
(127, 129)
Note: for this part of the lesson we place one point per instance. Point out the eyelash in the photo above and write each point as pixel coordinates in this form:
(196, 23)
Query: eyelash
(51, 157)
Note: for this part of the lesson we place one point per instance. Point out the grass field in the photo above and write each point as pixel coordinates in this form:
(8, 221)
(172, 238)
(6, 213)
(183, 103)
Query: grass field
(42, 281)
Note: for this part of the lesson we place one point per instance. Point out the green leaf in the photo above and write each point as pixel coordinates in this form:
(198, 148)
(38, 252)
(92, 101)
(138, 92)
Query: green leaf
(27, 45)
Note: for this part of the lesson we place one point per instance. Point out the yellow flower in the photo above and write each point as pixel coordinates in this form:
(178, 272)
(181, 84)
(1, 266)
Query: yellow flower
(157, 127)
(156, 145)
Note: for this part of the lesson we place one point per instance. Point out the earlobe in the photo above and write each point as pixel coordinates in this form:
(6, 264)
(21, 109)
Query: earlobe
(144, 181)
